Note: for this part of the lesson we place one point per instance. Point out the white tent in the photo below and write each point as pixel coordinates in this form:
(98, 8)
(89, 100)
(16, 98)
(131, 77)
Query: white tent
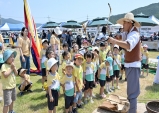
(5, 27)
(153, 18)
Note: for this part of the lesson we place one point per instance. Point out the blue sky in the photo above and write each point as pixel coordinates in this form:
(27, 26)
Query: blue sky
(63, 10)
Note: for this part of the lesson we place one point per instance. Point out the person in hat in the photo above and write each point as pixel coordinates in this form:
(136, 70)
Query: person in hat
(26, 84)
(116, 67)
(24, 45)
(131, 43)
(78, 74)
(43, 58)
(102, 53)
(103, 73)
(145, 60)
(69, 38)
(68, 82)
(54, 41)
(2, 41)
(74, 51)
(9, 71)
(53, 82)
(1, 55)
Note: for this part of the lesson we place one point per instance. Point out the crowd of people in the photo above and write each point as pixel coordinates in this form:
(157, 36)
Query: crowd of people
(82, 67)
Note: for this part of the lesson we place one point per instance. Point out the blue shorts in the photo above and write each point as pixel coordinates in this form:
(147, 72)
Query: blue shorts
(78, 96)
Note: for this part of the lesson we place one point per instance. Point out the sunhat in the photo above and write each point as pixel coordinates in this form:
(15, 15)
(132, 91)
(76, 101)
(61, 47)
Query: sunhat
(109, 59)
(57, 31)
(69, 30)
(129, 17)
(145, 46)
(85, 41)
(8, 53)
(44, 40)
(116, 46)
(21, 70)
(95, 48)
(78, 56)
(69, 64)
(51, 62)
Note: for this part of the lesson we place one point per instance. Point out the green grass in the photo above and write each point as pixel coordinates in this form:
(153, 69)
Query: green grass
(36, 102)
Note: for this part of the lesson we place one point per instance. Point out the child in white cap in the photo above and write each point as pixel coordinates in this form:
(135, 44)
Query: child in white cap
(68, 83)
(53, 85)
(145, 60)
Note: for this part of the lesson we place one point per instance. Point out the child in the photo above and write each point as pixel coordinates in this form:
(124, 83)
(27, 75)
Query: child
(68, 82)
(96, 62)
(102, 53)
(74, 51)
(66, 57)
(78, 74)
(53, 85)
(65, 48)
(116, 66)
(122, 53)
(103, 71)
(43, 59)
(25, 81)
(89, 77)
(145, 60)
(9, 71)
(109, 79)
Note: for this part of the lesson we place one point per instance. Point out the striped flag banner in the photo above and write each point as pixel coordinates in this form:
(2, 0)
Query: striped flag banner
(32, 34)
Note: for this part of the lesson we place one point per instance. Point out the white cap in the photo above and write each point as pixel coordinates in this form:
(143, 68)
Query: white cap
(95, 48)
(43, 40)
(145, 46)
(69, 30)
(57, 31)
(51, 62)
(69, 64)
(116, 46)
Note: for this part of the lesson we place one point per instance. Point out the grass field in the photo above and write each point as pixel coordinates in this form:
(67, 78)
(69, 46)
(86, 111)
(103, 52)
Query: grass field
(36, 101)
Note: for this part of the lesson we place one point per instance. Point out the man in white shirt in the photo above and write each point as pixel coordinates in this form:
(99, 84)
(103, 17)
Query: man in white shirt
(131, 43)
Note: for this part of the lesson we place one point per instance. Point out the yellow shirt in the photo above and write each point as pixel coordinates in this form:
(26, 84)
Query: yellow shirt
(45, 63)
(1, 38)
(65, 79)
(78, 73)
(102, 55)
(10, 81)
(27, 77)
(54, 40)
(53, 81)
(107, 49)
(42, 53)
(25, 45)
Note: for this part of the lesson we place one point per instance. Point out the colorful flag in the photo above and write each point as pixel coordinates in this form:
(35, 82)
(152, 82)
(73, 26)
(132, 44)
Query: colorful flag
(32, 34)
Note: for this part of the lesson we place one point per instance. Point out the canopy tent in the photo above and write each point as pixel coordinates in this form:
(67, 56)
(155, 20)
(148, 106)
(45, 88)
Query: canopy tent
(154, 19)
(144, 20)
(11, 27)
(99, 22)
(50, 25)
(72, 24)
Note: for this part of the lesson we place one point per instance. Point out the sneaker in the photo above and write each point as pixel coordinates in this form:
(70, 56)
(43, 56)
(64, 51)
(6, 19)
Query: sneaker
(11, 112)
(79, 106)
(74, 110)
(112, 88)
(21, 93)
(30, 91)
(92, 101)
(103, 95)
(107, 91)
(93, 95)
(118, 87)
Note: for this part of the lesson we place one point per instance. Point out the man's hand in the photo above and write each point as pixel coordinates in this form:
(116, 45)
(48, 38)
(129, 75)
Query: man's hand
(111, 40)
(23, 59)
(51, 99)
